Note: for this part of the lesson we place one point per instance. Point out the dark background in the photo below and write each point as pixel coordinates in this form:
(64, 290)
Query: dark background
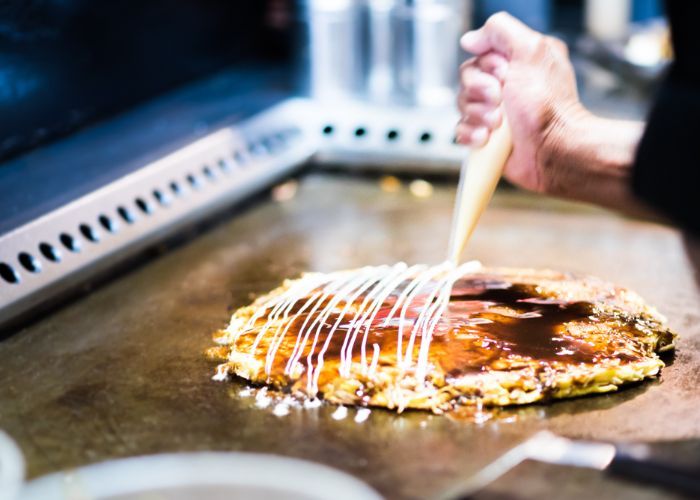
(66, 63)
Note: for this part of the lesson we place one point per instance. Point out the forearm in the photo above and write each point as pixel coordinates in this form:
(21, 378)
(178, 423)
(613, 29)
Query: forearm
(559, 147)
(589, 158)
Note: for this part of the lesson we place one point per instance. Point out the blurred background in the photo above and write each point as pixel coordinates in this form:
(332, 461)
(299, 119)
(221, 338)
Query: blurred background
(65, 64)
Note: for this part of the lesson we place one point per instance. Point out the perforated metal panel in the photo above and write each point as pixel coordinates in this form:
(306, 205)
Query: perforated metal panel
(48, 255)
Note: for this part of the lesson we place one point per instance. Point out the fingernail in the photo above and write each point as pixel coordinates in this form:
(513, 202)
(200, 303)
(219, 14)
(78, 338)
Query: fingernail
(468, 39)
(491, 116)
(501, 71)
(493, 94)
(479, 136)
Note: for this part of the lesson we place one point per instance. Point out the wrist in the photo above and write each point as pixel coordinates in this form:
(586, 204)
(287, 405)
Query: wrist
(561, 148)
(589, 158)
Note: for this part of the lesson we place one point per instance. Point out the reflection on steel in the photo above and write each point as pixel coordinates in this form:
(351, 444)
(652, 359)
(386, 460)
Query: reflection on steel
(356, 134)
(334, 46)
(426, 51)
(105, 226)
(385, 51)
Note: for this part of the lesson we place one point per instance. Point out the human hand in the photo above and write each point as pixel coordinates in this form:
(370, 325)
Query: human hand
(529, 76)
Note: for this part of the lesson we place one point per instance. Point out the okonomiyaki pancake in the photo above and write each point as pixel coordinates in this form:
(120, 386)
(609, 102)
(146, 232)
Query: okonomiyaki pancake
(443, 336)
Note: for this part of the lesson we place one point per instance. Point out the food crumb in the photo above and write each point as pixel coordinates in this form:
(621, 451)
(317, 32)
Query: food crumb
(362, 415)
(262, 400)
(421, 188)
(390, 184)
(221, 373)
(281, 409)
(285, 191)
(312, 403)
(340, 413)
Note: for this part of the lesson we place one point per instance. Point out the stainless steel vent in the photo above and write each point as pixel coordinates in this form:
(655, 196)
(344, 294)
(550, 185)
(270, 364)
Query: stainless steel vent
(357, 134)
(46, 256)
(53, 252)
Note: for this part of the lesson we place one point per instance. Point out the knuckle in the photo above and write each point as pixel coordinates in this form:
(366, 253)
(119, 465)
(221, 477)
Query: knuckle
(540, 43)
(556, 45)
(469, 71)
(488, 61)
(496, 20)
(562, 48)
(470, 78)
(463, 106)
(469, 63)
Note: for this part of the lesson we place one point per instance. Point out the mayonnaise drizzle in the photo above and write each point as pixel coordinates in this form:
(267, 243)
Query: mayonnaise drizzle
(355, 297)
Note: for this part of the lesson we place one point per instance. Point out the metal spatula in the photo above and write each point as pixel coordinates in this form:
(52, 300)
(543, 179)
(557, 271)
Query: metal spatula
(636, 462)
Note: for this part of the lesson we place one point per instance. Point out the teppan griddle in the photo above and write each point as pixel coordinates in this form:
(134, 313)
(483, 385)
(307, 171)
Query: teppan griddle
(122, 371)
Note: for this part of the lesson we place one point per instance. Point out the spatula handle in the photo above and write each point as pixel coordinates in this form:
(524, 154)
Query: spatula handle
(640, 463)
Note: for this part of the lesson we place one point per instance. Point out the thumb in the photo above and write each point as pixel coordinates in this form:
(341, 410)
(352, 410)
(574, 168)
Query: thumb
(501, 33)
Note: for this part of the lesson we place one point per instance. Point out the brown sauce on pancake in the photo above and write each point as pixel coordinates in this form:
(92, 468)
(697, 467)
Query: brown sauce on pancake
(487, 321)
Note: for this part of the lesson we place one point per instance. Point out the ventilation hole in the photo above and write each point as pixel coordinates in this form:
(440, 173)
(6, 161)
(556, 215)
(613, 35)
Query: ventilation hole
(256, 149)
(360, 132)
(209, 173)
(29, 262)
(224, 166)
(281, 138)
(425, 137)
(392, 135)
(144, 206)
(270, 143)
(328, 130)
(107, 223)
(239, 158)
(161, 197)
(89, 233)
(69, 242)
(194, 181)
(8, 273)
(50, 252)
(126, 214)
(176, 188)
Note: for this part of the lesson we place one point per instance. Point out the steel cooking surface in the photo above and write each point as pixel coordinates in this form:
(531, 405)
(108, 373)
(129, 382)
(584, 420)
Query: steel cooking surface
(121, 371)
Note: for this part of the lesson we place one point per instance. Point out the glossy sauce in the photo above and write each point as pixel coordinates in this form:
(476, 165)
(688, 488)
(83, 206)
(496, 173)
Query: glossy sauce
(489, 325)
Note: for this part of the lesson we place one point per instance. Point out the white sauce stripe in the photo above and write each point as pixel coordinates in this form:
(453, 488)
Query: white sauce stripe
(355, 298)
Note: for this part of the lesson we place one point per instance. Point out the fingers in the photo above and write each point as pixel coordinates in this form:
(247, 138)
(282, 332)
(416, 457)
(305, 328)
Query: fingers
(501, 33)
(470, 135)
(479, 86)
(480, 97)
(494, 64)
(481, 115)
(478, 121)
(482, 77)
(476, 41)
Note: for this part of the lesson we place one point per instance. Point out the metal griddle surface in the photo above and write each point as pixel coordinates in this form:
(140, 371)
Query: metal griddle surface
(121, 371)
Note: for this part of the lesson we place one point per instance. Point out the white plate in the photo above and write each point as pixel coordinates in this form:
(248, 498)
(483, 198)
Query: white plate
(207, 475)
(11, 468)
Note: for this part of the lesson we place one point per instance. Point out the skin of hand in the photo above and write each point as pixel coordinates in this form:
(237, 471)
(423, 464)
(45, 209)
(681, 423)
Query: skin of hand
(559, 147)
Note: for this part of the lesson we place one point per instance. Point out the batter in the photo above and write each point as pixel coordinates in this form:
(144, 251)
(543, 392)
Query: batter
(438, 337)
